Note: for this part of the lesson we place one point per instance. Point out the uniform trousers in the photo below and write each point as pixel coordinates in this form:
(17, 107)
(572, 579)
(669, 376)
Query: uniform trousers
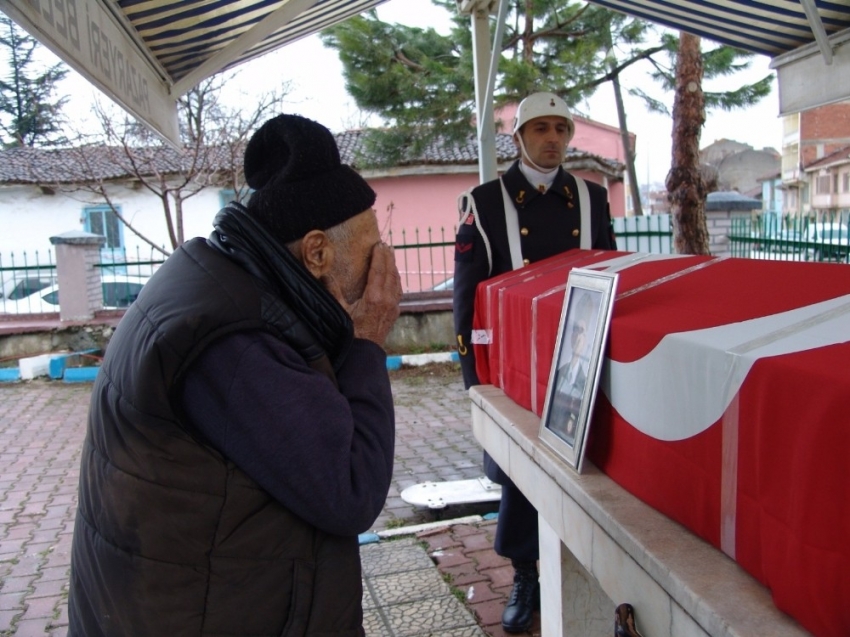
(516, 528)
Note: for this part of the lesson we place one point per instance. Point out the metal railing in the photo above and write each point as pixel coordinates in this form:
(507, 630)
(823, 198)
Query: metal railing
(21, 276)
(790, 238)
(28, 284)
(649, 233)
(425, 260)
(116, 261)
(424, 264)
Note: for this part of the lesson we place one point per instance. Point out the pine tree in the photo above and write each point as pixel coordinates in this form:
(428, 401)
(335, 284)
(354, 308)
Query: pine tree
(420, 82)
(29, 113)
(716, 61)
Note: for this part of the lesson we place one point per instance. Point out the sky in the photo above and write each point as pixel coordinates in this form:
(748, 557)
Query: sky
(317, 90)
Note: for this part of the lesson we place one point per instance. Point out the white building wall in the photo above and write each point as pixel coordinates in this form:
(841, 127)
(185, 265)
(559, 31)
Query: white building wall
(29, 217)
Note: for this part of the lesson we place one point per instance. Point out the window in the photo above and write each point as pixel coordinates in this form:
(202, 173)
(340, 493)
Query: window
(846, 185)
(102, 220)
(25, 287)
(52, 297)
(225, 196)
(822, 185)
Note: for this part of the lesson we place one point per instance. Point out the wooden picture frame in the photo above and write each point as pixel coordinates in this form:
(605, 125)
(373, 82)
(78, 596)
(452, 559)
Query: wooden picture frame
(577, 363)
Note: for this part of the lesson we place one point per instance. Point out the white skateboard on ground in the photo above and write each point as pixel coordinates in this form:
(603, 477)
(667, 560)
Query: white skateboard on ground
(439, 495)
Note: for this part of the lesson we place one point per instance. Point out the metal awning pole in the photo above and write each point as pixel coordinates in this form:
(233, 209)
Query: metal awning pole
(821, 37)
(485, 65)
(495, 56)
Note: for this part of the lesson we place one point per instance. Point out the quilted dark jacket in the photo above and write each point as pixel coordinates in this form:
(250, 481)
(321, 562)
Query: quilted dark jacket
(172, 538)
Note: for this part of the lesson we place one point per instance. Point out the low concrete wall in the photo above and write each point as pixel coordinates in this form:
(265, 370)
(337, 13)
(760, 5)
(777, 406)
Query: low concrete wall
(49, 335)
(425, 324)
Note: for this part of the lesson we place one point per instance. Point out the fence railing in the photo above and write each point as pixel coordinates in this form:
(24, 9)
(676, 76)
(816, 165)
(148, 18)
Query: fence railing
(429, 264)
(28, 284)
(23, 275)
(425, 260)
(649, 233)
(790, 238)
(117, 261)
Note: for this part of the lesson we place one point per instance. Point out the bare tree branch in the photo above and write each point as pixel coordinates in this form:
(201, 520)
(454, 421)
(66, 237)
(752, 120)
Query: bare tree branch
(213, 139)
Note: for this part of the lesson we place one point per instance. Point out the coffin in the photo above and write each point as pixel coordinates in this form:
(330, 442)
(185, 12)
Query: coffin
(724, 403)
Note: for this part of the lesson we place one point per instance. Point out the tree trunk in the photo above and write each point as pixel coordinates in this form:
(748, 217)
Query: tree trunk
(624, 129)
(685, 187)
(627, 148)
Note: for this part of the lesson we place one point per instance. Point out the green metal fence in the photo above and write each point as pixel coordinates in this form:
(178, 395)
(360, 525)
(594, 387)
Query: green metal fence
(425, 260)
(22, 275)
(790, 238)
(649, 233)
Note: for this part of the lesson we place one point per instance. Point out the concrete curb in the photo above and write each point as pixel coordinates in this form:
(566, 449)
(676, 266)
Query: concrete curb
(54, 366)
(395, 362)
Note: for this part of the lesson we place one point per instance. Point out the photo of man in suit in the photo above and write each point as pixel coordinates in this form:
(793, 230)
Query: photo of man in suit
(573, 365)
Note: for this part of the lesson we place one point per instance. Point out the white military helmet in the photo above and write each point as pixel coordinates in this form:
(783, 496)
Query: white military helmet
(541, 105)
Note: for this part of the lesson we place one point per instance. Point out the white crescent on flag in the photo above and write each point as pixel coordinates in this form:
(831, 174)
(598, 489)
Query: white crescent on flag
(685, 384)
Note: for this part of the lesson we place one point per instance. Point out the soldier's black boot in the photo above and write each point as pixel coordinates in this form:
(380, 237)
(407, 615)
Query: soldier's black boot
(524, 599)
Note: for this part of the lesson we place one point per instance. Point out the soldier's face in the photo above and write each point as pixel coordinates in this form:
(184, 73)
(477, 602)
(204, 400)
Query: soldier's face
(545, 141)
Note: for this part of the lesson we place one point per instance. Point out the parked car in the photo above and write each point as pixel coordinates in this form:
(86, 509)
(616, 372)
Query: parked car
(827, 242)
(784, 240)
(16, 285)
(119, 291)
(448, 284)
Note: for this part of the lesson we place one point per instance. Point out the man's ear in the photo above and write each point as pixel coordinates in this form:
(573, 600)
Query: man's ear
(317, 253)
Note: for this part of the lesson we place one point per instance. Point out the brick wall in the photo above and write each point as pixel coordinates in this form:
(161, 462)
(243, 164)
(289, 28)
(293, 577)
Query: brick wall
(719, 224)
(823, 131)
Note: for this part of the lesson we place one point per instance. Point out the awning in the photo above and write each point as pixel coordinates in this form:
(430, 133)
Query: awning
(809, 40)
(144, 54)
(771, 27)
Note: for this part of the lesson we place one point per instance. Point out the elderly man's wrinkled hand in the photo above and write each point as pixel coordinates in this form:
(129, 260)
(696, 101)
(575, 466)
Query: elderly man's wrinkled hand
(376, 312)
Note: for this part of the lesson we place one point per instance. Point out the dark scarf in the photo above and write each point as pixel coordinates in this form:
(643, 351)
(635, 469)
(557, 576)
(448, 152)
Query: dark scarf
(325, 328)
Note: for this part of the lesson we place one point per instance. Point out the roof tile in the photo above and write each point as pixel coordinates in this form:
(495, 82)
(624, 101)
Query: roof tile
(67, 165)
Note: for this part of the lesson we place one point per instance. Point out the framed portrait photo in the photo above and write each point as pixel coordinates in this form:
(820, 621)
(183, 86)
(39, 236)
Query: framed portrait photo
(577, 363)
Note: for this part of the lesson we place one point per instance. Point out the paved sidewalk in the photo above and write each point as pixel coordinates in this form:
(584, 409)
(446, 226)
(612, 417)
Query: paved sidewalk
(445, 581)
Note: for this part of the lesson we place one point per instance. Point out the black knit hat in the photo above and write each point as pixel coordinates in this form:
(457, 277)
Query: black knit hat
(300, 183)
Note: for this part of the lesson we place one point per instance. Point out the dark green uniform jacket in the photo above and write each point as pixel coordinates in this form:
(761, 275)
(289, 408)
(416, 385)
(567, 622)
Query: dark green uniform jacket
(549, 224)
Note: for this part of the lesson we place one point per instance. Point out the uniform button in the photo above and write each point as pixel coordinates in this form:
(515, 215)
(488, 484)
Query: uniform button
(524, 232)
(575, 233)
(526, 261)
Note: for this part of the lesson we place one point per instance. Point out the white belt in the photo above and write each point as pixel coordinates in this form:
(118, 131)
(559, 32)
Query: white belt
(512, 221)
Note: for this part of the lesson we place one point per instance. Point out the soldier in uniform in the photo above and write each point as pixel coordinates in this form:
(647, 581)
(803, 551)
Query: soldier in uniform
(534, 211)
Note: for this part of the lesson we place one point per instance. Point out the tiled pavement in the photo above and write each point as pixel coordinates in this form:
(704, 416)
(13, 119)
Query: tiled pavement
(413, 586)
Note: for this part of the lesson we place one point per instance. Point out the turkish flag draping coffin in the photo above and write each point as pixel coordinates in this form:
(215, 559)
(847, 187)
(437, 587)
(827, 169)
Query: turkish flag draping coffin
(724, 403)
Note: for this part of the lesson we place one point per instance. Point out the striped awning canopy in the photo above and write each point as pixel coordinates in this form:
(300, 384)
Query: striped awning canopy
(185, 36)
(769, 27)
(809, 40)
(146, 53)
